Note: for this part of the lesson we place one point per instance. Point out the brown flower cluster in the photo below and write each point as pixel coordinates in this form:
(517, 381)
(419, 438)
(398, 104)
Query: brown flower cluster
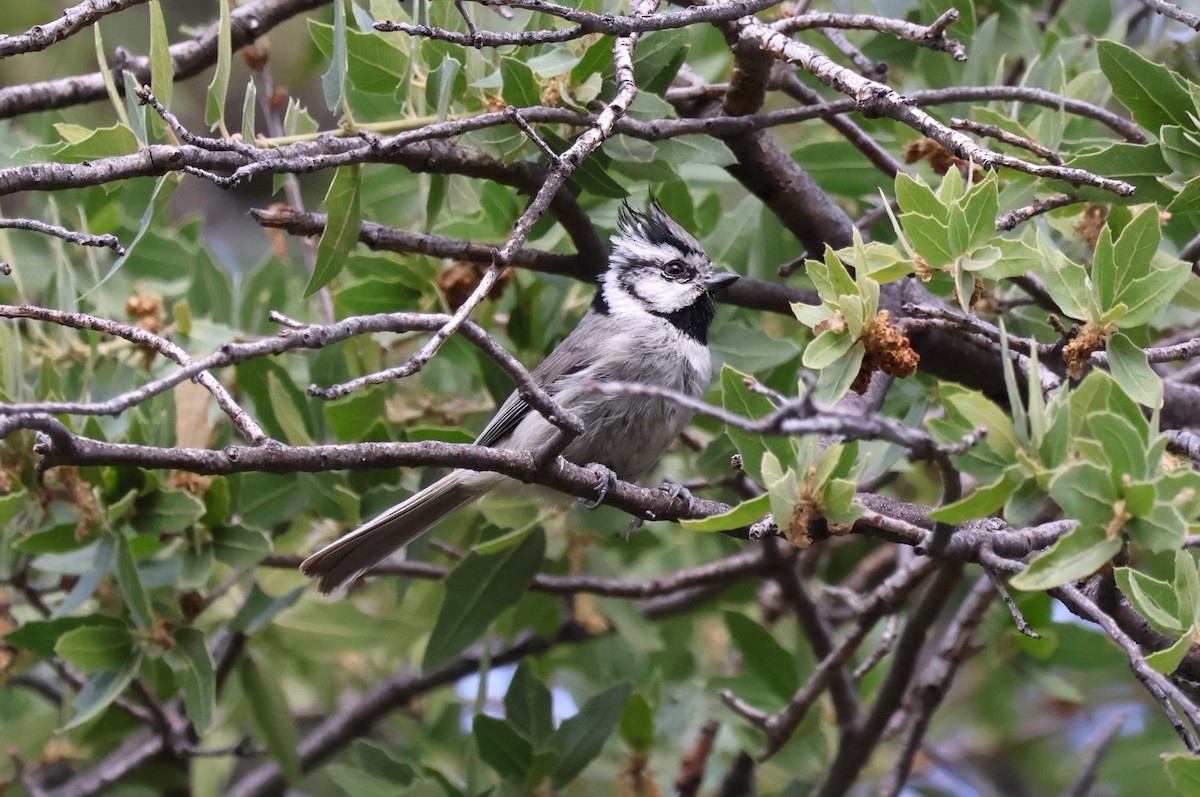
(888, 350)
(1088, 339)
(459, 281)
(147, 310)
(1091, 223)
(940, 158)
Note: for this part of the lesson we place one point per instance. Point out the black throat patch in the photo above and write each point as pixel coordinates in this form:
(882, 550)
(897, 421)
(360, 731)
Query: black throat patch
(599, 303)
(693, 320)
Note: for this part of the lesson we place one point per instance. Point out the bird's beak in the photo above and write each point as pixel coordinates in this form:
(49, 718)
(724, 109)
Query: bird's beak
(719, 280)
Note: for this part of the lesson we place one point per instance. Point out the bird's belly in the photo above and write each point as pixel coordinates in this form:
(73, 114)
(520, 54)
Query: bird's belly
(627, 433)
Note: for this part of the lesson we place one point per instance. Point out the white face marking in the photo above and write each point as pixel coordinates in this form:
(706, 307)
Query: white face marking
(636, 269)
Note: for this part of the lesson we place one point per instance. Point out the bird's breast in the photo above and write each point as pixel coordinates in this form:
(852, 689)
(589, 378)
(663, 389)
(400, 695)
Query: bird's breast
(629, 432)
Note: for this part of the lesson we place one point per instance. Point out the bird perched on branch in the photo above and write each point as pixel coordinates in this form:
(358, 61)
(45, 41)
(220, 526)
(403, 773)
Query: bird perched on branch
(648, 323)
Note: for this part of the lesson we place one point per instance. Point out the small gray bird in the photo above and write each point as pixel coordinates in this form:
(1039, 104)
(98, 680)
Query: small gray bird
(648, 323)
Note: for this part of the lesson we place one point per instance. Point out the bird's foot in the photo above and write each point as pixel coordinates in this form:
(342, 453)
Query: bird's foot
(607, 479)
(679, 491)
(633, 526)
(674, 491)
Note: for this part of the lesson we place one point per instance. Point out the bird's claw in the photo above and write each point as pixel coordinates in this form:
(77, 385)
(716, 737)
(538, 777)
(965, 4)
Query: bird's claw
(633, 526)
(679, 491)
(607, 479)
(674, 491)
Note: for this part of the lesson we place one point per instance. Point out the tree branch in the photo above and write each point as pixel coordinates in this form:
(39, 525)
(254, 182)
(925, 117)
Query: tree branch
(73, 20)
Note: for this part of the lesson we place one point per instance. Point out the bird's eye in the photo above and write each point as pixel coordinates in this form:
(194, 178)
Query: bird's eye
(675, 270)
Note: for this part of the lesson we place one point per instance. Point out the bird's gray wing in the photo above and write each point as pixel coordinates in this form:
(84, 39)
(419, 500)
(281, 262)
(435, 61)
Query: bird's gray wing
(578, 351)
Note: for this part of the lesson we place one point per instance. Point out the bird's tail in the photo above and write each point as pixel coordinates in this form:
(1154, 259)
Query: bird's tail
(379, 538)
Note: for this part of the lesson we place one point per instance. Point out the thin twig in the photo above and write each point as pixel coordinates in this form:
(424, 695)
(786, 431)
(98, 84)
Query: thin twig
(514, 114)
(1008, 137)
(1022, 624)
(1173, 12)
(1010, 219)
(82, 238)
(1093, 755)
(721, 571)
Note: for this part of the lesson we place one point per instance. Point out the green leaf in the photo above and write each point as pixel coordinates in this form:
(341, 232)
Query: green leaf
(520, 87)
(1132, 370)
(838, 167)
(1134, 250)
(214, 112)
(11, 505)
(1125, 451)
(1184, 772)
(96, 647)
(259, 609)
(1155, 95)
(87, 144)
(743, 514)
(333, 82)
(741, 400)
(193, 665)
(289, 416)
(658, 59)
(501, 747)
(836, 379)
(297, 121)
(1187, 588)
(979, 208)
(931, 239)
(135, 112)
(163, 189)
(341, 227)
(439, 86)
(107, 73)
(764, 656)
(373, 64)
(581, 738)
(40, 636)
(101, 690)
(595, 59)
(1075, 556)
(983, 501)
(1180, 149)
(528, 704)
(479, 589)
(591, 174)
(1150, 293)
(914, 196)
(686, 150)
(268, 710)
(162, 71)
(240, 546)
(1167, 661)
(1154, 599)
(1086, 492)
(826, 349)
(132, 590)
(249, 111)
(637, 723)
(1188, 199)
(1066, 282)
(166, 512)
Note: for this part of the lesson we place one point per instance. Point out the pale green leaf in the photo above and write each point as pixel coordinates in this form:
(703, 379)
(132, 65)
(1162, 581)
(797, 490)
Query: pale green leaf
(218, 89)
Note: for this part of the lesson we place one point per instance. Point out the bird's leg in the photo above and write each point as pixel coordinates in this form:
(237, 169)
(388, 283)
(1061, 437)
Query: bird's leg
(607, 479)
